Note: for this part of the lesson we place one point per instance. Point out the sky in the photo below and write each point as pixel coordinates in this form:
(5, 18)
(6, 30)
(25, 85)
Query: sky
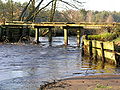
(108, 5)
(100, 5)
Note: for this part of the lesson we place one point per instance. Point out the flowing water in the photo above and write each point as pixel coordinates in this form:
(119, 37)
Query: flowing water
(27, 66)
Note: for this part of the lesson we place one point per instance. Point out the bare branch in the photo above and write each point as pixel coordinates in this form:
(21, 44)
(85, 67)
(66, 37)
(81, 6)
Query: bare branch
(34, 14)
(23, 12)
(37, 8)
(72, 5)
(78, 1)
(53, 9)
(39, 5)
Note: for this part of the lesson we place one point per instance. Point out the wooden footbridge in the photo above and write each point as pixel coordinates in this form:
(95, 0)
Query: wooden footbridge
(64, 25)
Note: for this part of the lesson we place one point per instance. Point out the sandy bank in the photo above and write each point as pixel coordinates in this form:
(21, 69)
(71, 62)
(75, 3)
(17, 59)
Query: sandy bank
(98, 82)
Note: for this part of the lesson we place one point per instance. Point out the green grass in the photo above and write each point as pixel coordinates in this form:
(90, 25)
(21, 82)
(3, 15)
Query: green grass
(104, 36)
(99, 87)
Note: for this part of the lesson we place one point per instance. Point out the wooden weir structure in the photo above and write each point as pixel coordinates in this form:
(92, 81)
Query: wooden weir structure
(107, 51)
(64, 25)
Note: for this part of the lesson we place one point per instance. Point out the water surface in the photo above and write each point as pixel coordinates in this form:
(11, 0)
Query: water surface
(27, 66)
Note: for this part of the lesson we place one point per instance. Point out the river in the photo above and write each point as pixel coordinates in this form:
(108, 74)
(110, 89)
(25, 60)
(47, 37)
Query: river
(27, 66)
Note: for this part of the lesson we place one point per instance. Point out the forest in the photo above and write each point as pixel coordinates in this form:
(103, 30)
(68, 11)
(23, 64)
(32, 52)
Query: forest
(11, 11)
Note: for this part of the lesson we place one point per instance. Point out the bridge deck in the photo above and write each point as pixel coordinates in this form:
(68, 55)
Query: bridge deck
(62, 24)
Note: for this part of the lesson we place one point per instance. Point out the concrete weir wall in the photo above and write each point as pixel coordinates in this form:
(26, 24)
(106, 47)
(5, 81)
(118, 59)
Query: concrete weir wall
(106, 51)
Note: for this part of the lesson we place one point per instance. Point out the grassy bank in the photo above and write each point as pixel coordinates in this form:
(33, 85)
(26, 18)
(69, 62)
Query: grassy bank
(115, 36)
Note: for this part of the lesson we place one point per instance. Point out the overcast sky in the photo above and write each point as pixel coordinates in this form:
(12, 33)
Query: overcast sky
(109, 5)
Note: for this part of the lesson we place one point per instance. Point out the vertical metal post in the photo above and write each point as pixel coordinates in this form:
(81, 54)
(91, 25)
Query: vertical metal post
(37, 35)
(65, 37)
(50, 36)
(78, 38)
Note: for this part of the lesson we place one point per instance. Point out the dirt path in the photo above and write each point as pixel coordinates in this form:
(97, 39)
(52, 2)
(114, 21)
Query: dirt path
(98, 82)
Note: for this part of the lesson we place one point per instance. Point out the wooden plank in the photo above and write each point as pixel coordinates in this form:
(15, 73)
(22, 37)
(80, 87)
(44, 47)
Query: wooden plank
(86, 42)
(110, 55)
(99, 52)
(47, 24)
(93, 43)
(108, 45)
(86, 45)
(96, 44)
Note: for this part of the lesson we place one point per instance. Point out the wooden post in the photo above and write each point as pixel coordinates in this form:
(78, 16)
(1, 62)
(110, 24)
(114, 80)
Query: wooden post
(50, 36)
(1, 33)
(90, 49)
(65, 37)
(37, 35)
(102, 52)
(83, 48)
(78, 38)
(117, 62)
(95, 52)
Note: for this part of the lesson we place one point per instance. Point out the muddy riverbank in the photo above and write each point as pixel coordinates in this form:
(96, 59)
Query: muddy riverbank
(97, 82)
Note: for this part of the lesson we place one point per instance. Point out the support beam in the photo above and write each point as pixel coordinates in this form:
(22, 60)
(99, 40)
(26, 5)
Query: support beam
(65, 37)
(78, 37)
(50, 36)
(37, 35)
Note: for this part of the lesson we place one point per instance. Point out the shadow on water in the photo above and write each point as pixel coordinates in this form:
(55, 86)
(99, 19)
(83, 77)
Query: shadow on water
(26, 67)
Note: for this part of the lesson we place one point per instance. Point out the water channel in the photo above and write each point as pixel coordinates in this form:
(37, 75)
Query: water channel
(27, 66)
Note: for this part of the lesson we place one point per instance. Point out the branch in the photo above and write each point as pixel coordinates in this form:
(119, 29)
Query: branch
(53, 9)
(78, 1)
(72, 5)
(39, 5)
(23, 12)
(65, 17)
(34, 14)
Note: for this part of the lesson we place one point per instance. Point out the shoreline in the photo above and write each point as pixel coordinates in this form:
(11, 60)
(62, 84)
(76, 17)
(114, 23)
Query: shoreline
(93, 82)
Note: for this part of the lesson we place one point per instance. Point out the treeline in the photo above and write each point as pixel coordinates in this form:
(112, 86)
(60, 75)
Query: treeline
(10, 11)
(87, 16)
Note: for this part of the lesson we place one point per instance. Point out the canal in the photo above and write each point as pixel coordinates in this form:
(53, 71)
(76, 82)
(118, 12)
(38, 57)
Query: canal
(27, 66)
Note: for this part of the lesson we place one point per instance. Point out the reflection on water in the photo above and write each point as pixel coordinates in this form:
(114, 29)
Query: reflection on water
(98, 67)
(25, 67)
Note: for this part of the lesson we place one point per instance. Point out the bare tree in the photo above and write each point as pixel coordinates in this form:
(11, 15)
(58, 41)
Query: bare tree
(110, 19)
(35, 11)
(89, 16)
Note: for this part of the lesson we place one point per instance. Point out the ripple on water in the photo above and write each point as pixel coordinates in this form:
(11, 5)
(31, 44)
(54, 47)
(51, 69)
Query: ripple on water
(24, 67)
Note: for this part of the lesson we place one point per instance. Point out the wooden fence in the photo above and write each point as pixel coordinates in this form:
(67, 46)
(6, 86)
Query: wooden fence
(107, 51)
